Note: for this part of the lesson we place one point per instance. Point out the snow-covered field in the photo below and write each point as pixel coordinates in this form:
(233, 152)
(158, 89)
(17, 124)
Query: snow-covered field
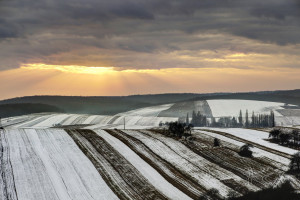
(289, 121)
(152, 111)
(47, 164)
(144, 168)
(232, 107)
(50, 163)
(279, 161)
(92, 121)
(70, 156)
(196, 167)
(259, 137)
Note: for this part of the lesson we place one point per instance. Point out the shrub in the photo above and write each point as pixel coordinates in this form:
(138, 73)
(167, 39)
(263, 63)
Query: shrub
(216, 142)
(245, 150)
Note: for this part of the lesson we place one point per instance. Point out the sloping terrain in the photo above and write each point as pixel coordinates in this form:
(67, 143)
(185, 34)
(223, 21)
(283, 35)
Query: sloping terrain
(124, 156)
(71, 163)
(181, 109)
(109, 105)
(232, 107)
(46, 164)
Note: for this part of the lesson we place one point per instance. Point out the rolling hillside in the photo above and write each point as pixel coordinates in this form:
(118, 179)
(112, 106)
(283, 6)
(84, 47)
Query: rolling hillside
(114, 105)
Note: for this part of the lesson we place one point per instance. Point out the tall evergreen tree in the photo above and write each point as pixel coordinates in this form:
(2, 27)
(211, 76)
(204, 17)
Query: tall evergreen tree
(187, 119)
(241, 118)
(253, 120)
(247, 119)
(194, 116)
(234, 122)
(272, 119)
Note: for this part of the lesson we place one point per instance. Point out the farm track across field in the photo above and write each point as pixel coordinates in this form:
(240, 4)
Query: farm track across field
(249, 142)
(170, 173)
(119, 174)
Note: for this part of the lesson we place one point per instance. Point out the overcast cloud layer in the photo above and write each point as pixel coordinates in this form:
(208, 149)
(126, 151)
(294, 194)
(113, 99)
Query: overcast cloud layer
(149, 34)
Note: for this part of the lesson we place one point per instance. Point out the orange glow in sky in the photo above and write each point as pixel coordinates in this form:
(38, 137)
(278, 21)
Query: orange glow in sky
(43, 79)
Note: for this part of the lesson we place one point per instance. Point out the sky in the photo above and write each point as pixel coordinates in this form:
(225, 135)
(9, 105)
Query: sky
(124, 47)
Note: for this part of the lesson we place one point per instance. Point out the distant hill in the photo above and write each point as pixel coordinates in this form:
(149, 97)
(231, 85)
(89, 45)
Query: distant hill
(10, 110)
(110, 105)
(288, 96)
(102, 105)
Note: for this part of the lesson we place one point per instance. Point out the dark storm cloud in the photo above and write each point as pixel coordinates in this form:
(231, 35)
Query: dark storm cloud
(33, 30)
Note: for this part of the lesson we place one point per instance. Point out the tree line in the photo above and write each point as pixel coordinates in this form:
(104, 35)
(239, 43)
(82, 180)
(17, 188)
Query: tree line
(255, 121)
(290, 138)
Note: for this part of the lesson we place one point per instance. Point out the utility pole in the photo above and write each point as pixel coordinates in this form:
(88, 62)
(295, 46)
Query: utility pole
(124, 123)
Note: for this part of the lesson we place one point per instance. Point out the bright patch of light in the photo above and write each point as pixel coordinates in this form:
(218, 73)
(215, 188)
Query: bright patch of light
(68, 68)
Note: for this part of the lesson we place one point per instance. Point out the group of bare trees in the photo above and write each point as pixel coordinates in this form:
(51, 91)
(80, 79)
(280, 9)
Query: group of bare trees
(285, 137)
(180, 129)
(290, 138)
(199, 119)
(255, 121)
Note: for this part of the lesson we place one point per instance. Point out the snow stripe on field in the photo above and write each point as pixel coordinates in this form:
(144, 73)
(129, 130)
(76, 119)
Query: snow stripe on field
(48, 165)
(30, 175)
(258, 137)
(7, 185)
(53, 174)
(256, 151)
(232, 107)
(146, 170)
(152, 111)
(199, 161)
(198, 174)
(81, 182)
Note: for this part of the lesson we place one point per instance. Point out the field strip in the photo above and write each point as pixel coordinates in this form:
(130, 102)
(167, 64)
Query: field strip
(30, 173)
(70, 119)
(53, 119)
(77, 172)
(58, 183)
(120, 175)
(197, 160)
(143, 167)
(80, 119)
(201, 175)
(7, 185)
(286, 155)
(257, 172)
(274, 160)
(169, 172)
(33, 122)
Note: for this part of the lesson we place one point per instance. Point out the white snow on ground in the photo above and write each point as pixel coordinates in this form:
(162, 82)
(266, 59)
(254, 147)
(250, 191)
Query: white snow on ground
(146, 170)
(47, 164)
(93, 121)
(131, 122)
(280, 161)
(232, 107)
(51, 121)
(258, 137)
(90, 119)
(152, 111)
(199, 174)
(287, 121)
(199, 161)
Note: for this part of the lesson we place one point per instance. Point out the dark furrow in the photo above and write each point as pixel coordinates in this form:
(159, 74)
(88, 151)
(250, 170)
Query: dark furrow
(138, 186)
(7, 177)
(262, 174)
(174, 176)
(227, 159)
(249, 142)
